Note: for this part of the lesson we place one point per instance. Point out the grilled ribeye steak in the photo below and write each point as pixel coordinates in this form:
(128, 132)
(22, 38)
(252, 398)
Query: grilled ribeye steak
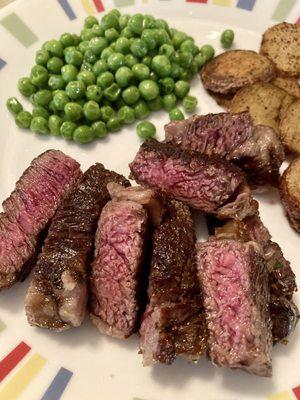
(205, 183)
(28, 210)
(256, 149)
(57, 295)
(117, 267)
(234, 281)
(173, 323)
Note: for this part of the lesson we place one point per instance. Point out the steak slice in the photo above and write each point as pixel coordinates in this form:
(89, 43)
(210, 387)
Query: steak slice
(28, 210)
(116, 270)
(57, 295)
(256, 149)
(203, 182)
(173, 323)
(236, 295)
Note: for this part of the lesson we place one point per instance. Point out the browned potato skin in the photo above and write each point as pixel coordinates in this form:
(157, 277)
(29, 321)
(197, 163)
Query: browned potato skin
(234, 69)
(290, 85)
(281, 43)
(290, 193)
(222, 100)
(290, 127)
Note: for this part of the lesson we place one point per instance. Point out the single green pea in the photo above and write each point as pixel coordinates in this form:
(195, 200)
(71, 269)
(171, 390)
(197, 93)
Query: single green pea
(39, 76)
(56, 82)
(73, 111)
(181, 89)
(55, 48)
(83, 134)
(114, 124)
(75, 89)
(148, 22)
(110, 21)
(42, 97)
(167, 85)
(185, 58)
(54, 65)
(70, 49)
(97, 45)
(83, 46)
(39, 111)
(208, 51)
(175, 70)
(99, 129)
(116, 12)
(14, 106)
(69, 73)
(94, 92)
(42, 57)
(141, 109)
(178, 38)
(126, 115)
(113, 46)
(86, 66)
(115, 61)
(67, 128)
(135, 23)
(111, 35)
(52, 108)
(105, 79)
(141, 71)
(161, 65)
(122, 45)
(166, 50)
(67, 39)
(98, 31)
(190, 104)
(176, 114)
(227, 38)
(189, 46)
(60, 99)
(150, 37)
(126, 32)
(145, 130)
(39, 125)
(162, 24)
(200, 60)
(74, 57)
(131, 95)
(90, 57)
(87, 77)
(90, 21)
(86, 34)
(139, 48)
(91, 111)
(147, 61)
(149, 89)
(123, 76)
(163, 37)
(123, 21)
(156, 104)
(106, 53)
(99, 67)
(130, 60)
(54, 124)
(23, 119)
(107, 112)
(186, 75)
(112, 93)
(76, 39)
(169, 101)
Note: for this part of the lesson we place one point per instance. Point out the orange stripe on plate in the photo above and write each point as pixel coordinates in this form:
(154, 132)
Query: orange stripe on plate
(281, 396)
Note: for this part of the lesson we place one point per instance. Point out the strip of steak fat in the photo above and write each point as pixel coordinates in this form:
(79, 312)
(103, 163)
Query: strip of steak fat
(29, 209)
(234, 281)
(256, 149)
(118, 267)
(282, 283)
(202, 182)
(57, 295)
(173, 323)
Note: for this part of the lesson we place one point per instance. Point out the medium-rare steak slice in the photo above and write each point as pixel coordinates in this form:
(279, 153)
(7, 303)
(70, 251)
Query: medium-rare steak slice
(57, 295)
(116, 270)
(236, 295)
(173, 323)
(205, 183)
(28, 210)
(256, 149)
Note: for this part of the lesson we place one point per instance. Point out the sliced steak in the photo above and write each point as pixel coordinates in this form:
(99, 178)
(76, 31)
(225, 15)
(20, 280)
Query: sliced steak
(173, 323)
(28, 210)
(57, 295)
(205, 183)
(256, 149)
(116, 270)
(236, 295)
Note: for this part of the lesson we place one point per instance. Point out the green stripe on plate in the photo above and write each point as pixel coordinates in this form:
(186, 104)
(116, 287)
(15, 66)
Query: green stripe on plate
(2, 326)
(283, 9)
(15, 26)
(122, 3)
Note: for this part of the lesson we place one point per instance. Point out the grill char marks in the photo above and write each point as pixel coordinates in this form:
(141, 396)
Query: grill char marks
(173, 323)
(57, 295)
(28, 210)
(234, 281)
(205, 183)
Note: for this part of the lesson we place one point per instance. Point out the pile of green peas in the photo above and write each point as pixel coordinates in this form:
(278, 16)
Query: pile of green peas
(115, 72)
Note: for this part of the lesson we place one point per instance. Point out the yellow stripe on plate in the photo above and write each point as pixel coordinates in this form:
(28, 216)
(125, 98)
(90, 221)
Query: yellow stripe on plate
(280, 396)
(224, 3)
(88, 6)
(13, 389)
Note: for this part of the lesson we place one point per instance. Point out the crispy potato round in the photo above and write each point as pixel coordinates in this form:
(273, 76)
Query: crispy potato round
(290, 127)
(290, 85)
(234, 69)
(263, 101)
(281, 43)
(286, 102)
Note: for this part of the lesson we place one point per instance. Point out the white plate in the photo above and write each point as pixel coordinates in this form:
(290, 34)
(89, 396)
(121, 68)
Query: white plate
(81, 363)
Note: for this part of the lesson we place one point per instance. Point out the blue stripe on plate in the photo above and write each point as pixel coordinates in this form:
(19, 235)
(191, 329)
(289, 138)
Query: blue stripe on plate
(2, 64)
(67, 9)
(58, 385)
(246, 4)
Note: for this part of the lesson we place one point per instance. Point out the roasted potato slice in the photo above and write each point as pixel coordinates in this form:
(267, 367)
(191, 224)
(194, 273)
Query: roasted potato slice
(263, 101)
(286, 102)
(281, 43)
(222, 100)
(290, 85)
(290, 127)
(234, 69)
